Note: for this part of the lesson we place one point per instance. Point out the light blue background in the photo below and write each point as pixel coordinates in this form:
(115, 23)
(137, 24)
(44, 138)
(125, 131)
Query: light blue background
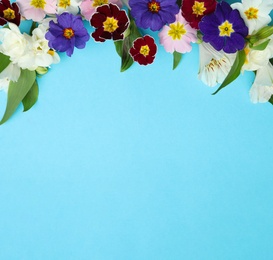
(144, 164)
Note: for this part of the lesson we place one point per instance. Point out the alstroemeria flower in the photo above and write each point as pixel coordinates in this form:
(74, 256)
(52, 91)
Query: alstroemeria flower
(36, 10)
(214, 65)
(4, 84)
(88, 7)
(255, 13)
(143, 50)
(224, 29)
(262, 88)
(153, 14)
(67, 33)
(193, 11)
(69, 6)
(9, 13)
(177, 36)
(110, 23)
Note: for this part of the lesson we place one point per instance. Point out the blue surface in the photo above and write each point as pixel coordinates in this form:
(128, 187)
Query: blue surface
(145, 164)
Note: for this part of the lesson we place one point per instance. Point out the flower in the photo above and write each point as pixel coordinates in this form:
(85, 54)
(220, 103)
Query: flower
(262, 88)
(70, 6)
(36, 10)
(11, 72)
(67, 33)
(9, 13)
(153, 14)
(224, 29)
(214, 66)
(143, 50)
(88, 7)
(4, 84)
(255, 13)
(178, 36)
(110, 23)
(193, 10)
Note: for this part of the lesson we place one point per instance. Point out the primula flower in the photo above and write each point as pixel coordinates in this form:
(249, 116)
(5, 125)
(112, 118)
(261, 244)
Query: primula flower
(255, 13)
(110, 23)
(36, 10)
(88, 7)
(143, 50)
(69, 6)
(9, 13)
(224, 29)
(178, 36)
(153, 14)
(262, 88)
(193, 10)
(67, 33)
(214, 65)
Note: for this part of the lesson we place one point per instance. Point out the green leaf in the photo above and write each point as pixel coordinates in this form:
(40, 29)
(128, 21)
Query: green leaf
(34, 25)
(118, 45)
(31, 97)
(179, 3)
(17, 91)
(4, 61)
(261, 46)
(234, 71)
(271, 61)
(177, 56)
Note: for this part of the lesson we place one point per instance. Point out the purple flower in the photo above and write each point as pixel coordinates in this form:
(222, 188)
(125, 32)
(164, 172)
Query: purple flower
(67, 33)
(153, 14)
(224, 29)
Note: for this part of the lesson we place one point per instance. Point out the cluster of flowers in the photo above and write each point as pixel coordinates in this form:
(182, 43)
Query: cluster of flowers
(232, 38)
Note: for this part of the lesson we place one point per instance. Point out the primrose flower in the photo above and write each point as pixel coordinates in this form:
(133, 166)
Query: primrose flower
(67, 33)
(143, 50)
(88, 7)
(178, 36)
(193, 10)
(255, 13)
(69, 6)
(224, 29)
(9, 13)
(214, 65)
(36, 10)
(110, 23)
(153, 14)
(262, 88)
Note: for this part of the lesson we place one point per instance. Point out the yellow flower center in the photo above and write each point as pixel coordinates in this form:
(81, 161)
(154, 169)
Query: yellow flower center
(154, 6)
(215, 64)
(99, 2)
(51, 52)
(198, 8)
(64, 3)
(110, 24)
(38, 3)
(68, 33)
(225, 29)
(9, 14)
(144, 50)
(177, 30)
(251, 13)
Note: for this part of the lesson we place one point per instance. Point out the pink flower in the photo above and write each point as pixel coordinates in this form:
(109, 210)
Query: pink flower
(36, 10)
(178, 36)
(88, 7)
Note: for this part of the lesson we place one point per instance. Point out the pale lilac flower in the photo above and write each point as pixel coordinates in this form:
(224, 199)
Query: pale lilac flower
(255, 13)
(88, 7)
(262, 88)
(36, 10)
(178, 36)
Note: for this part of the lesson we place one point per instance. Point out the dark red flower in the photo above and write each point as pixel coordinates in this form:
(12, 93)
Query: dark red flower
(9, 13)
(193, 11)
(144, 50)
(110, 23)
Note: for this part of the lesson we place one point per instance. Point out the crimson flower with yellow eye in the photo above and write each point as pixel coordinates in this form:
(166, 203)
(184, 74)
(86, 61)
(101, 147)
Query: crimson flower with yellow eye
(9, 13)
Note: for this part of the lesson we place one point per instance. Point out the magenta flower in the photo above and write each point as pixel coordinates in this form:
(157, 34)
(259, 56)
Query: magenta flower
(67, 33)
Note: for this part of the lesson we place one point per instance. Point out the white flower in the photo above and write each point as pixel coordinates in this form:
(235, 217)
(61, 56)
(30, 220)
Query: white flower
(262, 88)
(11, 72)
(255, 13)
(70, 6)
(4, 84)
(13, 42)
(214, 65)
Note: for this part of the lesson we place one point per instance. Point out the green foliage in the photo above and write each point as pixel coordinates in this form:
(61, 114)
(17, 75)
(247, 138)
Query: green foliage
(4, 61)
(234, 71)
(177, 56)
(17, 91)
(31, 97)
